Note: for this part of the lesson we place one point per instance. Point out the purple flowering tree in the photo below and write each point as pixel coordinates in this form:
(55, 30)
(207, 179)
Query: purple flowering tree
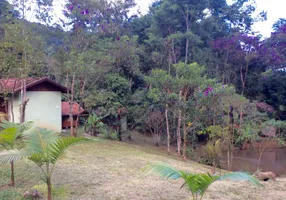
(273, 49)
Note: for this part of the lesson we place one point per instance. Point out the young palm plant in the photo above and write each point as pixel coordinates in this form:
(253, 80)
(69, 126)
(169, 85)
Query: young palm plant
(43, 147)
(213, 149)
(10, 136)
(197, 183)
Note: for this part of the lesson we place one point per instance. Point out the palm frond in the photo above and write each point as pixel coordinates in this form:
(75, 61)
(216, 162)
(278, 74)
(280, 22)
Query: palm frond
(8, 137)
(38, 158)
(25, 126)
(199, 183)
(164, 170)
(58, 148)
(21, 128)
(12, 155)
(38, 139)
(6, 124)
(213, 149)
(240, 176)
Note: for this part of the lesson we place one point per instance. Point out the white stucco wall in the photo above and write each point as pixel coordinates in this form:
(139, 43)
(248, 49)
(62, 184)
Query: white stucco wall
(44, 108)
(16, 108)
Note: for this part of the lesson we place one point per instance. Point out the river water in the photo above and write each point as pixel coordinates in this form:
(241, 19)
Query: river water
(246, 160)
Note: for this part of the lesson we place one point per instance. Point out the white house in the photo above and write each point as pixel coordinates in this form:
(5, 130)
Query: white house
(44, 106)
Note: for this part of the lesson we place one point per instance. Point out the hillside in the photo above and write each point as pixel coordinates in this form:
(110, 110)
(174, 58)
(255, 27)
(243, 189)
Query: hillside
(111, 170)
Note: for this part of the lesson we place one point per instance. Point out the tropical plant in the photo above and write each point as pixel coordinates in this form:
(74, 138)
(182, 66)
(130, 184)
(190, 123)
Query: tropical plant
(43, 147)
(94, 123)
(9, 136)
(108, 134)
(197, 183)
(213, 149)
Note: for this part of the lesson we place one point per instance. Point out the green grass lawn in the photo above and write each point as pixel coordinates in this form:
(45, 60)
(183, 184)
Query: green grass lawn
(111, 170)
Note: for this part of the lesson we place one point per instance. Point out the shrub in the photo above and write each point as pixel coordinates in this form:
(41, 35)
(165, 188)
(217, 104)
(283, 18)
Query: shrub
(108, 134)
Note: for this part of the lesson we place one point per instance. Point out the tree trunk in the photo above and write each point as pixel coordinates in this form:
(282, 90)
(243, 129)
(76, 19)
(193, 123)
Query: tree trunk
(12, 174)
(71, 102)
(170, 61)
(12, 108)
(80, 103)
(167, 128)
(259, 160)
(187, 40)
(229, 156)
(49, 188)
(185, 141)
(157, 139)
(240, 118)
(24, 101)
(179, 132)
(260, 156)
(230, 138)
(12, 101)
(187, 51)
(77, 119)
(174, 53)
(119, 128)
(179, 128)
(243, 77)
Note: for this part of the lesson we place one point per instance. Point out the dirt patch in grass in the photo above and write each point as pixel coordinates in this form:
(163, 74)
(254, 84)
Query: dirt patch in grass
(111, 170)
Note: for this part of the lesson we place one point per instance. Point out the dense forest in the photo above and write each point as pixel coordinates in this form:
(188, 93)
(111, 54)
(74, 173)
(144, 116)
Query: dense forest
(187, 71)
(187, 80)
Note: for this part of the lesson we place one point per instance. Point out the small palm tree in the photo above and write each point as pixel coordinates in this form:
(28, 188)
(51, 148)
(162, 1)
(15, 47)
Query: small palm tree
(43, 147)
(213, 149)
(10, 136)
(197, 183)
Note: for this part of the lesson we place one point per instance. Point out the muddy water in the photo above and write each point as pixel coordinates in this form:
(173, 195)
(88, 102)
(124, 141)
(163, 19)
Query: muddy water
(246, 160)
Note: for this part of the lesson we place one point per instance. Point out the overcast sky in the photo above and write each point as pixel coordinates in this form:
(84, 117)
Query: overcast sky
(275, 10)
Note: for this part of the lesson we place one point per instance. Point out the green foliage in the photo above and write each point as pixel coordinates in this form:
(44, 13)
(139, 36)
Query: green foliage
(108, 134)
(215, 132)
(21, 54)
(192, 154)
(197, 183)
(10, 139)
(117, 84)
(43, 147)
(10, 194)
(280, 127)
(274, 91)
(94, 124)
(162, 60)
(46, 146)
(213, 150)
(249, 133)
(12, 133)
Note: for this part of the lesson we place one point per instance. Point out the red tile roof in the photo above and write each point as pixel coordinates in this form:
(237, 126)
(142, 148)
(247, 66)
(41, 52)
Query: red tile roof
(76, 109)
(14, 84)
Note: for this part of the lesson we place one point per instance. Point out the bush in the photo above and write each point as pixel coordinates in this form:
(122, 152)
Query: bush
(192, 154)
(108, 134)
(212, 152)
